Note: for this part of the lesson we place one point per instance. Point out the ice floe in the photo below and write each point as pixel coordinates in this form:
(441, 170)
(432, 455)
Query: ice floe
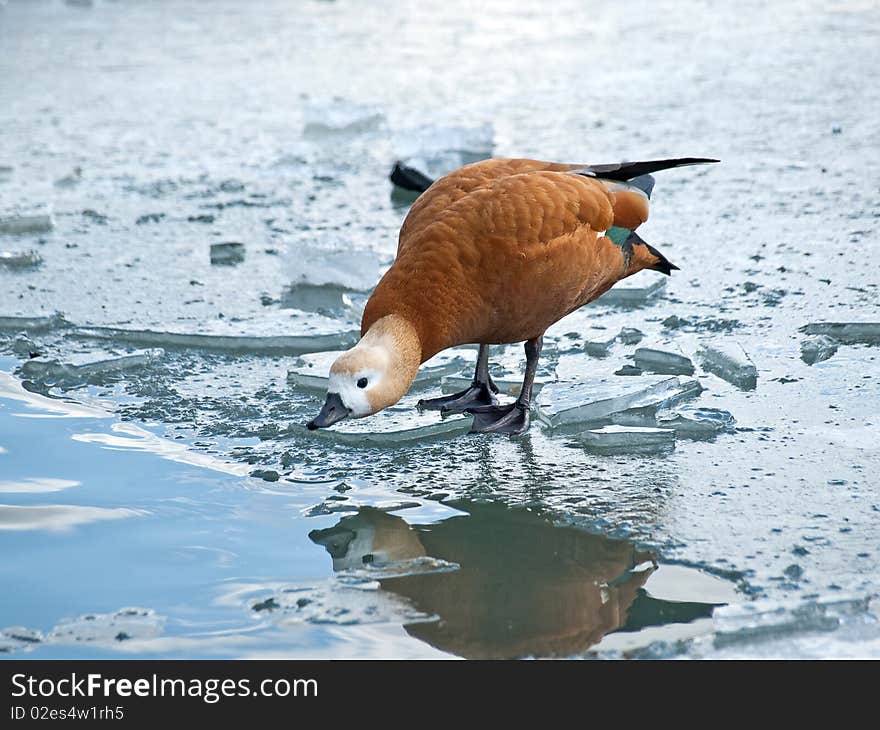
(34, 324)
(72, 179)
(88, 368)
(563, 404)
(227, 254)
(243, 342)
(329, 300)
(340, 119)
(350, 269)
(122, 625)
(696, 422)
(17, 260)
(94, 628)
(434, 151)
(662, 361)
(849, 333)
(628, 370)
(729, 361)
(761, 622)
(600, 347)
(17, 225)
(341, 600)
(630, 336)
(817, 348)
(631, 295)
(392, 428)
(628, 439)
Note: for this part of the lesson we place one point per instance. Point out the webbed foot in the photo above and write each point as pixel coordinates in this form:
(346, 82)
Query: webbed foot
(478, 394)
(512, 419)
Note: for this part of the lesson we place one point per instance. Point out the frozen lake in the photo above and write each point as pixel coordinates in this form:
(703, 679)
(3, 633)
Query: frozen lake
(194, 205)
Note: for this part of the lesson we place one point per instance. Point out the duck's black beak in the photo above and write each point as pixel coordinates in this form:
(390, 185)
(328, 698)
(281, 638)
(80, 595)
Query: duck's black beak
(334, 410)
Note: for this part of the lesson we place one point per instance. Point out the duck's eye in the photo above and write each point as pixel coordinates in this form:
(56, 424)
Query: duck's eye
(362, 383)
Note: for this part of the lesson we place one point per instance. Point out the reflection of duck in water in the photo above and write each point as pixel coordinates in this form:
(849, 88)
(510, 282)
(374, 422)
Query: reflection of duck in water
(370, 536)
(525, 587)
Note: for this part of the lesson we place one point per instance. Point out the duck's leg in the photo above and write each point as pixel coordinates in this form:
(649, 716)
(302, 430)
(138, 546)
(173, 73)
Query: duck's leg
(513, 418)
(480, 392)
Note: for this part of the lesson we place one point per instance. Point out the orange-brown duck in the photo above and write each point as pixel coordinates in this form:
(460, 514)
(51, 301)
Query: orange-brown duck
(494, 253)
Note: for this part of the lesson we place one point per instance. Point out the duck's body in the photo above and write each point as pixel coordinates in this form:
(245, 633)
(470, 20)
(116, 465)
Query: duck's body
(499, 250)
(495, 253)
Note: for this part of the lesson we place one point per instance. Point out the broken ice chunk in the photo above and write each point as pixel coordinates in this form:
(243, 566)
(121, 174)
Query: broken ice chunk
(342, 600)
(730, 362)
(817, 348)
(633, 296)
(695, 422)
(661, 361)
(108, 628)
(33, 324)
(561, 404)
(24, 346)
(469, 143)
(643, 411)
(394, 427)
(340, 119)
(344, 268)
(14, 638)
(89, 368)
(16, 260)
(312, 371)
(227, 254)
(326, 299)
(15, 225)
(239, 342)
(71, 179)
(599, 347)
(628, 370)
(427, 153)
(849, 333)
(628, 439)
(630, 336)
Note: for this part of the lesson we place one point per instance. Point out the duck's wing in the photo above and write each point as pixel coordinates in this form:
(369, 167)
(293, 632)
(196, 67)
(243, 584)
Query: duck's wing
(456, 185)
(533, 217)
(505, 258)
(533, 208)
(535, 214)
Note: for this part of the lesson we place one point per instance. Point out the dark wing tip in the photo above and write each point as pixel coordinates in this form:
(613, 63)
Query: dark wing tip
(624, 171)
(409, 178)
(696, 160)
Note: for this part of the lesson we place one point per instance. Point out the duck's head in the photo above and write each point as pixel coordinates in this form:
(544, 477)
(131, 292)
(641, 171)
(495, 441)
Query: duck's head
(374, 374)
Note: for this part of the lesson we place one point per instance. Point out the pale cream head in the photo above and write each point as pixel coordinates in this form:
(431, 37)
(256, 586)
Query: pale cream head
(374, 374)
(362, 377)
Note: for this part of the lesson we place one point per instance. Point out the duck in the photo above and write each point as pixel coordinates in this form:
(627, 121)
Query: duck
(494, 253)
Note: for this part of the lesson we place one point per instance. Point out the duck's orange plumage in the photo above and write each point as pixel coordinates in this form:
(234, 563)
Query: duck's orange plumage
(494, 253)
(499, 250)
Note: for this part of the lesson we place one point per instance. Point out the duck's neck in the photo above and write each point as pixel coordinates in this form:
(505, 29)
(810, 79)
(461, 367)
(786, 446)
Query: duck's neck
(398, 339)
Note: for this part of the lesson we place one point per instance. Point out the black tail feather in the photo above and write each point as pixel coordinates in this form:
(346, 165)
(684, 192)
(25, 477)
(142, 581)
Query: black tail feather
(664, 265)
(624, 171)
(409, 178)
